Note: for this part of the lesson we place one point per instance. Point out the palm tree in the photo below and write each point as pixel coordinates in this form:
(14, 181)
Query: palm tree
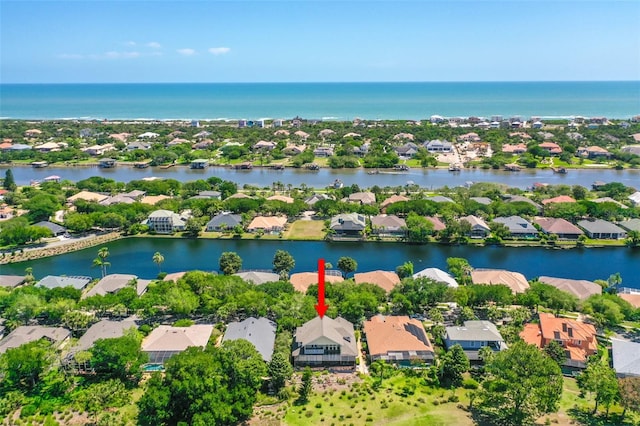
(101, 260)
(158, 259)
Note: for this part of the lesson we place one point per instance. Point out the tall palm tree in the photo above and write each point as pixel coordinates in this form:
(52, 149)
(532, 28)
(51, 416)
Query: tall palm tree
(101, 260)
(158, 259)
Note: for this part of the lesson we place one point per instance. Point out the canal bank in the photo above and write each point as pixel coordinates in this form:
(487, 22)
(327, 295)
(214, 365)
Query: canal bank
(134, 255)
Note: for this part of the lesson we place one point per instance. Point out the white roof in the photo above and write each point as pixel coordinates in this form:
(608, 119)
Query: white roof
(437, 275)
(168, 338)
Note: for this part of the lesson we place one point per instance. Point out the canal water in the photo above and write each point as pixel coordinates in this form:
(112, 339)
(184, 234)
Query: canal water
(134, 256)
(426, 178)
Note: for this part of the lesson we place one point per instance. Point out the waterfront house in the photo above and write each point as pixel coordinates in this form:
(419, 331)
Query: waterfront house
(366, 198)
(293, 149)
(113, 283)
(55, 281)
(437, 145)
(397, 339)
(30, 333)
(630, 224)
(11, 281)
(325, 342)
(165, 222)
(625, 356)
(514, 280)
(323, 151)
(138, 145)
(264, 146)
(97, 150)
(582, 289)
(438, 224)
(303, 280)
(258, 277)
(166, 341)
(260, 332)
(474, 335)
(577, 338)
(388, 226)
(551, 147)
(223, 221)
(518, 227)
(269, 224)
(635, 198)
(104, 329)
(55, 229)
(593, 152)
(479, 228)
(49, 147)
(386, 280)
(601, 229)
(393, 199)
(406, 151)
(630, 295)
(347, 225)
(564, 229)
(437, 275)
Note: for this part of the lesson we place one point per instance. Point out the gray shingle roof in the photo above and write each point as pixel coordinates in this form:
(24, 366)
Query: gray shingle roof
(630, 224)
(626, 357)
(53, 227)
(31, 333)
(475, 331)
(348, 222)
(339, 330)
(517, 225)
(226, 218)
(54, 281)
(260, 332)
(10, 281)
(599, 226)
(111, 284)
(105, 329)
(582, 289)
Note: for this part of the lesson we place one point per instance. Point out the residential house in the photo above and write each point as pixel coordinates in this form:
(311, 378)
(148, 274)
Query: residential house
(635, 198)
(593, 152)
(397, 339)
(558, 199)
(303, 280)
(325, 133)
(514, 148)
(281, 198)
(564, 229)
(485, 201)
(55, 281)
(551, 147)
(518, 227)
(479, 228)
(577, 338)
(630, 224)
(440, 199)
(138, 145)
(165, 222)
(166, 341)
(388, 226)
(294, 149)
(32, 133)
(117, 199)
(315, 198)
(113, 283)
(438, 224)
(264, 145)
(258, 277)
(609, 200)
(522, 198)
(207, 195)
(152, 200)
(87, 196)
(386, 280)
(31, 333)
(11, 281)
(122, 137)
(362, 198)
(625, 356)
(325, 342)
(437, 275)
(97, 150)
(601, 229)
(223, 221)
(408, 150)
(260, 332)
(55, 229)
(474, 335)
(49, 147)
(514, 280)
(103, 329)
(148, 135)
(393, 199)
(630, 295)
(582, 289)
(437, 145)
(323, 151)
(302, 135)
(348, 225)
(268, 224)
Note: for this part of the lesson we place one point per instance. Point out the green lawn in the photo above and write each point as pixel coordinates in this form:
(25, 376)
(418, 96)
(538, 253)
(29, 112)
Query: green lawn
(305, 230)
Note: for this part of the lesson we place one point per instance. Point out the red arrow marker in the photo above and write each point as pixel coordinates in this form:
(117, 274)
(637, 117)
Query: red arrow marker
(321, 308)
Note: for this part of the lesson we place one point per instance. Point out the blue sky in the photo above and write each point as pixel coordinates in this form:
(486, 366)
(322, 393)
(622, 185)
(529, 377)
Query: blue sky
(309, 41)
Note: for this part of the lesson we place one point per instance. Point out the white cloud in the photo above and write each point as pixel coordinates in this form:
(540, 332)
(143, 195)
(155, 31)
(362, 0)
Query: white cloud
(219, 50)
(186, 52)
(154, 45)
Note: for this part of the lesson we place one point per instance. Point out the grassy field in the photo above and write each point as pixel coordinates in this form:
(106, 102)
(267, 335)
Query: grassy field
(305, 230)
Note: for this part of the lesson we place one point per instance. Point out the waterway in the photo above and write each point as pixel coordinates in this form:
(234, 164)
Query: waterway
(134, 256)
(426, 178)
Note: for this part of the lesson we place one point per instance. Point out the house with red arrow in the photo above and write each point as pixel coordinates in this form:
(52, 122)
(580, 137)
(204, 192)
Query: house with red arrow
(325, 342)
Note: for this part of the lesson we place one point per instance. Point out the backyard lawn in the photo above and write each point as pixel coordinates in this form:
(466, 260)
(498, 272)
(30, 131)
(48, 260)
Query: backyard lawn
(305, 230)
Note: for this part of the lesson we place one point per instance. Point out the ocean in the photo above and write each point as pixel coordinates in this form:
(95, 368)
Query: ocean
(324, 101)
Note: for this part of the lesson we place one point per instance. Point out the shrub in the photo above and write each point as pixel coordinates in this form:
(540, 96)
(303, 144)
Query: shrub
(469, 384)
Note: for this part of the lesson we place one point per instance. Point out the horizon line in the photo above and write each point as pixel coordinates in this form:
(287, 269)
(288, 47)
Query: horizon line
(322, 82)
